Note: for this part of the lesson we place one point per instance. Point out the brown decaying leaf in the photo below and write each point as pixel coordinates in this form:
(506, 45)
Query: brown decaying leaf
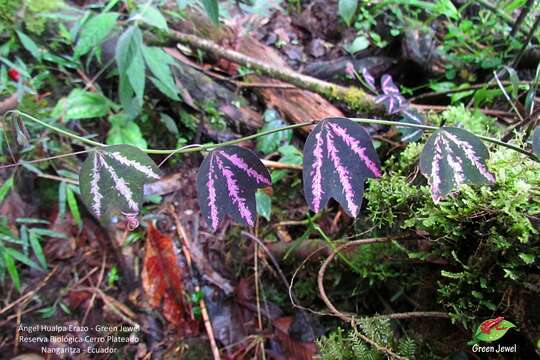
(294, 349)
(162, 281)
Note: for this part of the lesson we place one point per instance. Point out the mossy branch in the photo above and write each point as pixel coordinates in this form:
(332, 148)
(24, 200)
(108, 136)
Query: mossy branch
(355, 98)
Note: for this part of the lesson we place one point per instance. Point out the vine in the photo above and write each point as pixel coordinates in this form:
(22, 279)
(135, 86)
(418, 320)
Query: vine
(338, 157)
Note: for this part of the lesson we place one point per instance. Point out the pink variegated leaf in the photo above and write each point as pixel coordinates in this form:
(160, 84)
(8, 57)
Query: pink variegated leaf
(369, 79)
(453, 157)
(338, 157)
(391, 99)
(112, 179)
(387, 85)
(411, 116)
(226, 184)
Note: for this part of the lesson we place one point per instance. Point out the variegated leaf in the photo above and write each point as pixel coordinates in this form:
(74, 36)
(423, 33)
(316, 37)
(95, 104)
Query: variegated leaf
(452, 157)
(226, 184)
(369, 79)
(112, 179)
(536, 141)
(411, 116)
(338, 157)
(392, 99)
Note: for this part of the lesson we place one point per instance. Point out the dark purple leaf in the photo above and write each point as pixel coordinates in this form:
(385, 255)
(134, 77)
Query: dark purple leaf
(392, 103)
(369, 79)
(226, 184)
(392, 99)
(387, 85)
(338, 157)
(453, 157)
(411, 116)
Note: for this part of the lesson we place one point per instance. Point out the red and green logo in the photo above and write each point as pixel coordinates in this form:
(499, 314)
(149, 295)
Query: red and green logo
(493, 329)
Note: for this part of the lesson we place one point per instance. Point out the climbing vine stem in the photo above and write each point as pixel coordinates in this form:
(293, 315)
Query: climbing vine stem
(203, 147)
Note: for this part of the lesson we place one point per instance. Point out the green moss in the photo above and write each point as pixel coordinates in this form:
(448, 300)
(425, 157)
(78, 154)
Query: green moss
(474, 121)
(30, 12)
(8, 8)
(486, 236)
(353, 97)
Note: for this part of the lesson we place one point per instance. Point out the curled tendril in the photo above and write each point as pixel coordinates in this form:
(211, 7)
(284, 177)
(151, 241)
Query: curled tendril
(131, 220)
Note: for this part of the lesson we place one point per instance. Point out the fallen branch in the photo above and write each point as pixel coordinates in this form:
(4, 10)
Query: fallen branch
(353, 97)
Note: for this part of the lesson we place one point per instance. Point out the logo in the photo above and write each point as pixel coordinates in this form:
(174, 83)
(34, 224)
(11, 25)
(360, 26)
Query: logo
(489, 331)
(492, 330)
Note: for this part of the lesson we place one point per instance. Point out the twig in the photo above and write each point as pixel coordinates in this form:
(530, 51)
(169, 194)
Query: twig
(31, 293)
(527, 41)
(58, 178)
(522, 15)
(100, 279)
(20, 163)
(439, 108)
(182, 234)
(114, 305)
(279, 165)
(508, 96)
(463, 89)
(350, 317)
(291, 296)
(272, 258)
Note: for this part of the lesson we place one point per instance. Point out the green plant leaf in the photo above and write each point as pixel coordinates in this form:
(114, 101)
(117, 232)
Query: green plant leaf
(94, 31)
(535, 143)
(81, 104)
(35, 243)
(153, 17)
(447, 8)
(30, 45)
(12, 270)
(212, 10)
(62, 199)
(131, 66)
(20, 257)
(169, 123)
(514, 80)
(112, 179)
(495, 333)
(360, 43)
(159, 62)
(452, 157)
(136, 76)
(49, 233)
(271, 142)
(347, 10)
(125, 131)
(73, 207)
(4, 189)
(264, 204)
